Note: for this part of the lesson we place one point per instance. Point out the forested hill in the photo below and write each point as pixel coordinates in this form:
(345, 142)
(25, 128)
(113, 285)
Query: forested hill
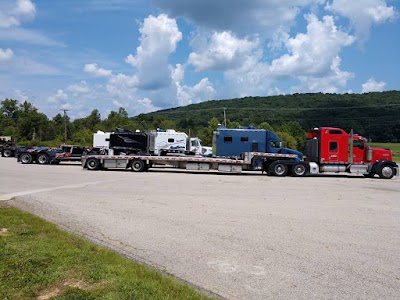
(375, 115)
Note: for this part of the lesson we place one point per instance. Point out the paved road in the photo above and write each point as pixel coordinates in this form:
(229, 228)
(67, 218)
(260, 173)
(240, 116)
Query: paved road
(239, 236)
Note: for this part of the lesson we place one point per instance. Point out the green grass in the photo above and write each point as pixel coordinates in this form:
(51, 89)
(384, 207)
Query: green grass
(38, 259)
(395, 147)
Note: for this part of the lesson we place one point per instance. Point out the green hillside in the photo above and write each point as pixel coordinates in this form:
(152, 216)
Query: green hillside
(374, 115)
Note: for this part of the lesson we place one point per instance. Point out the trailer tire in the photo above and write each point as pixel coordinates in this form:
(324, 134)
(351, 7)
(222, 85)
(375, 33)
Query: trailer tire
(93, 164)
(386, 172)
(26, 158)
(42, 159)
(7, 153)
(299, 170)
(138, 165)
(278, 169)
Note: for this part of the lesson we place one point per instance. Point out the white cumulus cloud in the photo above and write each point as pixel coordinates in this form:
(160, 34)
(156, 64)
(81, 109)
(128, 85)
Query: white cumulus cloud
(363, 14)
(94, 70)
(146, 106)
(58, 97)
(373, 86)
(79, 88)
(312, 58)
(122, 86)
(314, 52)
(159, 38)
(185, 94)
(221, 51)
(6, 55)
(13, 13)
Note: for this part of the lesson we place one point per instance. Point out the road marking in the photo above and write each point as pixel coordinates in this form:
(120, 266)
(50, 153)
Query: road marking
(6, 197)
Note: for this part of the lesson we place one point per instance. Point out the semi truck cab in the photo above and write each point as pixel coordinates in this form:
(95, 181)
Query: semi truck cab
(232, 142)
(331, 149)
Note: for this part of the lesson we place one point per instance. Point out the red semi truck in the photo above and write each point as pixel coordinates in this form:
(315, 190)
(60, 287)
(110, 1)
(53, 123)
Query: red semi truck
(330, 149)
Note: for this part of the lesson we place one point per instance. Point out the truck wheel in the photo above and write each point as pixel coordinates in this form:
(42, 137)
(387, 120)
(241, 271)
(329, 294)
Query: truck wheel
(278, 169)
(265, 167)
(42, 159)
(26, 158)
(299, 170)
(138, 165)
(386, 172)
(93, 164)
(7, 153)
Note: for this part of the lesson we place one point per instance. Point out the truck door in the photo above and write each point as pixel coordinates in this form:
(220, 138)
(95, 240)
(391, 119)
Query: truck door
(334, 145)
(333, 151)
(358, 151)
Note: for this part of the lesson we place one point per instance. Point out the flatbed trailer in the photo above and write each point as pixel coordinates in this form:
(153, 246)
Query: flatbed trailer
(248, 161)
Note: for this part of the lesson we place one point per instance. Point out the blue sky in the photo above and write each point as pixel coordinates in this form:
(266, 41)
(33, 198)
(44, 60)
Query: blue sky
(146, 55)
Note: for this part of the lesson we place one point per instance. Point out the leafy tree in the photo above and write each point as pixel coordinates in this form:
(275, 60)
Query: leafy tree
(9, 108)
(295, 130)
(118, 119)
(287, 139)
(206, 134)
(93, 120)
(8, 117)
(230, 124)
(83, 137)
(266, 126)
(32, 124)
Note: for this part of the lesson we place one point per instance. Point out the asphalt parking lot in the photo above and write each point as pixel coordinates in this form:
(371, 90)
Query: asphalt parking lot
(244, 236)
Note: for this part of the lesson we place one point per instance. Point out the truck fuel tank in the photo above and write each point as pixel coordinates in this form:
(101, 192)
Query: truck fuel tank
(333, 168)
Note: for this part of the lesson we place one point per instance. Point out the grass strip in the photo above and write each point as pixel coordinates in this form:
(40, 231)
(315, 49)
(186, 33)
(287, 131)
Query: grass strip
(40, 261)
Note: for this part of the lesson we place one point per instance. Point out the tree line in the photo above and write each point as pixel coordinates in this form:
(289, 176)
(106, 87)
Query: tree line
(374, 115)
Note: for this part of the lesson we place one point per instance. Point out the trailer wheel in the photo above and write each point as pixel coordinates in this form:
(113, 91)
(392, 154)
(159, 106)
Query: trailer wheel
(138, 165)
(42, 159)
(7, 153)
(299, 170)
(26, 158)
(386, 172)
(278, 169)
(93, 164)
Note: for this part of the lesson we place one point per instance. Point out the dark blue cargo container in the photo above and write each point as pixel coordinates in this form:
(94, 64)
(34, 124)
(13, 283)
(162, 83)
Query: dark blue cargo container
(233, 142)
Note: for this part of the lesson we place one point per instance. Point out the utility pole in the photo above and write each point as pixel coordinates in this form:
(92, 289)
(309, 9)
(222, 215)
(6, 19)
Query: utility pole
(65, 125)
(224, 117)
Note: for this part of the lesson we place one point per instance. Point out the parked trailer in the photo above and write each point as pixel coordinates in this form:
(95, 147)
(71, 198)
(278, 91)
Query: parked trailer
(43, 155)
(140, 163)
(7, 146)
